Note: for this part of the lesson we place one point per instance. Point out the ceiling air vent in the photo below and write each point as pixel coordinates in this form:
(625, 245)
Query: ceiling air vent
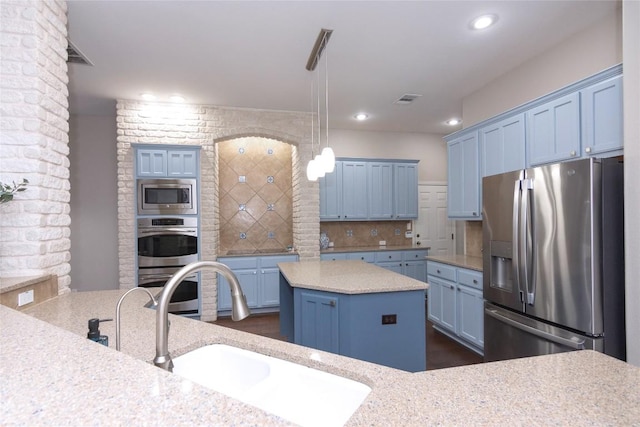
(74, 55)
(407, 98)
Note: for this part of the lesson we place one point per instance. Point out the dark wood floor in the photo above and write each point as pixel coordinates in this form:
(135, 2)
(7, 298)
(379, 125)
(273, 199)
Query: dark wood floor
(442, 352)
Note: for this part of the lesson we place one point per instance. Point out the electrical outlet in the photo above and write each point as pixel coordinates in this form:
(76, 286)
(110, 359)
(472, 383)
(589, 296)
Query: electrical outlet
(389, 319)
(25, 298)
(382, 243)
(408, 234)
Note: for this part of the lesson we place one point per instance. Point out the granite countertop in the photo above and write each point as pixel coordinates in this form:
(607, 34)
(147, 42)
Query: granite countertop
(8, 284)
(371, 248)
(50, 374)
(464, 261)
(347, 277)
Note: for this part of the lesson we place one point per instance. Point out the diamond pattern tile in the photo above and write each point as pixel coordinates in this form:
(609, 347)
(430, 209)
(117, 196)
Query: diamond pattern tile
(256, 159)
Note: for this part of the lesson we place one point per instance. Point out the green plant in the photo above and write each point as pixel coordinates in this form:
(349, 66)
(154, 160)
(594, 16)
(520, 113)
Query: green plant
(8, 190)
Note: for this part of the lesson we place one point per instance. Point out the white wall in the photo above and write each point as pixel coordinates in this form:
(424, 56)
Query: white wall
(631, 42)
(94, 203)
(430, 149)
(580, 56)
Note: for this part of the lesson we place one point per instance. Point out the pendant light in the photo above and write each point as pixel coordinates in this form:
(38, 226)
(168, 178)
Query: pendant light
(324, 162)
(328, 158)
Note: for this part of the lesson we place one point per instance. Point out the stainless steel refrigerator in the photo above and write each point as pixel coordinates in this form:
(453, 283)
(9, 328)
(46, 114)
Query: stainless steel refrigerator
(553, 260)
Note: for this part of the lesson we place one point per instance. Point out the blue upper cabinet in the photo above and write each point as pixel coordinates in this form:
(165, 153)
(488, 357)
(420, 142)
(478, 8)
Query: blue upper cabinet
(503, 146)
(602, 118)
(152, 163)
(161, 162)
(354, 190)
(182, 163)
(405, 179)
(463, 177)
(370, 190)
(331, 194)
(553, 130)
(380, 176)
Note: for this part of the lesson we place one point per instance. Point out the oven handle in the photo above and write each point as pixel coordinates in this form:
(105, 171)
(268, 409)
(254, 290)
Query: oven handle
(147, 278)
(142, 232)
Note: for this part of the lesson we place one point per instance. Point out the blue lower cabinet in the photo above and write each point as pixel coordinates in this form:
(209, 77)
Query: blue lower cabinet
(384, 328)
(319, 321)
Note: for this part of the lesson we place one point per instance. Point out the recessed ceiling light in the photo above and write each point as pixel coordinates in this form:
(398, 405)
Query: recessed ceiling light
(176, 98)
(361, 116)
(484, 21)
(453, 122)
(148, 96)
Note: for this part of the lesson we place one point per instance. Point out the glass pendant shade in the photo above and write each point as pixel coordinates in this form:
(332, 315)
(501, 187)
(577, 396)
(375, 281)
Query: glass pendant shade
(312, 174)
(319, 165)
(328, 160)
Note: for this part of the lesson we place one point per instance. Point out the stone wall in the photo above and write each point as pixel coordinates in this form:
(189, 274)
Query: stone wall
(35, 227)
(204, 126)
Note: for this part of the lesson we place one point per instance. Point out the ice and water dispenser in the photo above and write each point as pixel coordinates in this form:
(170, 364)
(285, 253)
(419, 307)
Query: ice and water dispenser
(501, 274)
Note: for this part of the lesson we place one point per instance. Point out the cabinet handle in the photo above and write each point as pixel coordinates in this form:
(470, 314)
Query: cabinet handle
(587, 150)
(451, 286)
(474, 213)
(573, 153)
(332, 303)
(438, 271)
(475, 281)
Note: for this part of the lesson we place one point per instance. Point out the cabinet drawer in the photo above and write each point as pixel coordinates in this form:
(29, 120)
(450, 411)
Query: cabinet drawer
(441, 270)
(383, 256)
(333, 257)
(239, 262)
(470, 278)
(272, 261)
(416, 255)
(362, 256)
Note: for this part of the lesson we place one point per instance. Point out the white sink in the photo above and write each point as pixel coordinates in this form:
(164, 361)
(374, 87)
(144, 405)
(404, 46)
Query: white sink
(302, 395)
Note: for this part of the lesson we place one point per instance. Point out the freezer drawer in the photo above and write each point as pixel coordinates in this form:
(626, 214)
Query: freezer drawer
(509, 335)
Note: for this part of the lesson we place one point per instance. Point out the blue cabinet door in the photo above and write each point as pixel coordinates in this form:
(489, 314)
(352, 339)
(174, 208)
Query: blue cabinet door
(463, 177)
(502, 146)
(248, 281)
(182, 163)
(416, 270)
(405, 178)
(553, 130)
(319, 321)
(602, 118)
(354, 190)
(151, 163)
(380, 177)
(470, 320)
(270, 289)
(331, 194)
(442, 303)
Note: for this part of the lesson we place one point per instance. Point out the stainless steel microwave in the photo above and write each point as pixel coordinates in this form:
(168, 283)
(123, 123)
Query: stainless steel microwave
(167, 197)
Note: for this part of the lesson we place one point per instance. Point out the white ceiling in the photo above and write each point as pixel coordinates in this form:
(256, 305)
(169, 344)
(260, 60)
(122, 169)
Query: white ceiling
(253, 53)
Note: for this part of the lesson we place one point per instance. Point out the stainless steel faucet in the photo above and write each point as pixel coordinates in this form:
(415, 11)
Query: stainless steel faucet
(151, 297)
(239, 309)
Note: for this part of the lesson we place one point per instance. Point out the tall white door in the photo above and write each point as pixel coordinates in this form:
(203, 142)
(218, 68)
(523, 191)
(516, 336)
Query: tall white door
(433, 228)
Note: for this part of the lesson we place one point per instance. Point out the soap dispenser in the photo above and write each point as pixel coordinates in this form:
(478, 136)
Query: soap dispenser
(94, 332)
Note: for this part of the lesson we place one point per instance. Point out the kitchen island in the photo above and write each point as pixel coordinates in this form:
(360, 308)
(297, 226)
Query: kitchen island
(50, 374)
(354, 309)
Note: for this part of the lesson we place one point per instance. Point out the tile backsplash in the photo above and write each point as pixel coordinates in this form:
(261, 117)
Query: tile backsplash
(366, 233)
(255, 194)
(473, 238)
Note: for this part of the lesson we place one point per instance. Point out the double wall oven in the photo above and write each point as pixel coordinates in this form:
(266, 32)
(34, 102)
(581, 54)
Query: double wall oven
(165, 244)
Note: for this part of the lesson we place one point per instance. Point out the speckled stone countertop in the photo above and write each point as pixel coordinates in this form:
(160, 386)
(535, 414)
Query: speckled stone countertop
(371, 248)
(50, 374)
(464, 261)
(10, 283)
(346, 277)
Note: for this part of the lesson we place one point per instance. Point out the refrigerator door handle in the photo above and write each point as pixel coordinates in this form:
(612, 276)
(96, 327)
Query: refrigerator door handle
(577, 344)
(515, 260)
(526, 239)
